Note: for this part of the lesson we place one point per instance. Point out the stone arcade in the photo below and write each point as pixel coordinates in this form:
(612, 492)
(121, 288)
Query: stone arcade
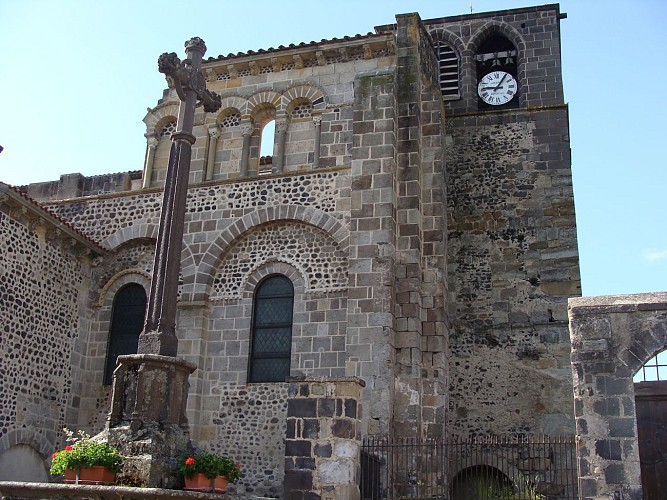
(400, 266)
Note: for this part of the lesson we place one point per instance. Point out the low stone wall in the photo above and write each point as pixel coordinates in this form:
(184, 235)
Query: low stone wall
(612, 337)
(17, 491)
(323, 439)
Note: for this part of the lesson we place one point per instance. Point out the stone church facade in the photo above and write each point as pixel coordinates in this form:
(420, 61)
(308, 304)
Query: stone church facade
(409, 237)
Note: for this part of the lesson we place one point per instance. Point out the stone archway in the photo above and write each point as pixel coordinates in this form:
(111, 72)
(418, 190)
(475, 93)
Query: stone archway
(612, 337)
(23, 463)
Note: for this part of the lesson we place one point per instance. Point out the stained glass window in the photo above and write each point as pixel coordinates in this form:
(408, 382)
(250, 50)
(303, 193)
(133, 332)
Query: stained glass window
(127, 321)
(272, 330)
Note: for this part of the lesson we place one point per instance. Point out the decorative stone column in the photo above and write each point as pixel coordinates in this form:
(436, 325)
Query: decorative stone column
(147, 422)
(213, 134)
(246, 132)
(151, 146)
(323, 438)
(279, 158)
(317, 119)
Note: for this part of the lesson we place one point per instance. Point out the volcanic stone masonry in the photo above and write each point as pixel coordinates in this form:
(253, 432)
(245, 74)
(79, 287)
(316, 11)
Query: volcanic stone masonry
(430, 243)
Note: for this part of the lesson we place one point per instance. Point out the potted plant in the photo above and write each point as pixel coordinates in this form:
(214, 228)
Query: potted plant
(86, 461)
(208, 472)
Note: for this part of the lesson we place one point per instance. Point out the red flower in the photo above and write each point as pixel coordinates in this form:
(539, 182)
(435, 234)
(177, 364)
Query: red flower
(54, 455)
(238, 466)
(190, 461)
(68, 448)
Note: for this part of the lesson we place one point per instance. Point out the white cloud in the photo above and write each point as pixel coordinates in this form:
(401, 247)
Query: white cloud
(655, 255)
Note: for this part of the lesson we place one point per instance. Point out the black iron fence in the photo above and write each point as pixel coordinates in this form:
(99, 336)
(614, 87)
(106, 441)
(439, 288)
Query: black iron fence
(499, 468)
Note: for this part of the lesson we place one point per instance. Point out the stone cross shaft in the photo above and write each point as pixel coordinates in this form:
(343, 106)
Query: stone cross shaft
(159, 335)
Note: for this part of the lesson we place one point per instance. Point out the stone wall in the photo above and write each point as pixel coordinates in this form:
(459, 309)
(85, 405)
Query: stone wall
(323, 439)
(43, 280)
(512, 264)
(612, 337)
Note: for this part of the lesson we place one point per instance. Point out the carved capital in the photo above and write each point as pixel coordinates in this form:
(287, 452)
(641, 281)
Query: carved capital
(152, 141)
(196, 43)
(321, 58)
(281, 125)
(317, 120)
(246, 130)
(298, 61)
(213, 132)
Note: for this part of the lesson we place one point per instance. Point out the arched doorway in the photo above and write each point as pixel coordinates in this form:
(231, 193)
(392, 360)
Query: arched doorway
(23, 463)
(651, 408)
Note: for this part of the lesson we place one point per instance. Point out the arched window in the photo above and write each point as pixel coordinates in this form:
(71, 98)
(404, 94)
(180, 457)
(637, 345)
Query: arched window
(127, 321)
(654, 370)
(272, 330)
(497, 75)
(266, 147)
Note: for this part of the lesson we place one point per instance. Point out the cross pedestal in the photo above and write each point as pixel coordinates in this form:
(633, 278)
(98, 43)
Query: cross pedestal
(147, 422)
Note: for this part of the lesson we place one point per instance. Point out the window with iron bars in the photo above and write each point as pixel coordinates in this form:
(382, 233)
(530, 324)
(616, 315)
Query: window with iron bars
(654, 370)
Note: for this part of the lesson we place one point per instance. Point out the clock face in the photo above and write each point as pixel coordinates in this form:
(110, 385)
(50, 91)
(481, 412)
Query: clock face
(497, 88)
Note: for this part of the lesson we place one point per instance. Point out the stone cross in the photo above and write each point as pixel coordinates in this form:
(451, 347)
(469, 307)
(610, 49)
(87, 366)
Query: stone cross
(159, 335)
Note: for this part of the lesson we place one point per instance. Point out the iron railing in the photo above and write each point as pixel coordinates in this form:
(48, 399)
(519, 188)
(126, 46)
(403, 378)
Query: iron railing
(498, 468)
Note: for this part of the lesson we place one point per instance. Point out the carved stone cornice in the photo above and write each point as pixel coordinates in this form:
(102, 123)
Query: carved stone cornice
(36, 218)
(303, 55)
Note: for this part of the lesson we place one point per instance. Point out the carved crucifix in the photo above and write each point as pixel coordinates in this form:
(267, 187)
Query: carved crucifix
(159, 335)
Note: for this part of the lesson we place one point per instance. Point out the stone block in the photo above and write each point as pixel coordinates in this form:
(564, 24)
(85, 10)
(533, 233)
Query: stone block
(302, 408)
(297, 448)
(298, 480)
(343, 428)
(338, 471)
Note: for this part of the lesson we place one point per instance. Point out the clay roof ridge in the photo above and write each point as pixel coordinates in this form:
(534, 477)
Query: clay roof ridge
(291, 46)
(16, 193)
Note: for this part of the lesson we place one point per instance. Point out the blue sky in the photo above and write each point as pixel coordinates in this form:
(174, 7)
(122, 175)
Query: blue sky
(77, 77)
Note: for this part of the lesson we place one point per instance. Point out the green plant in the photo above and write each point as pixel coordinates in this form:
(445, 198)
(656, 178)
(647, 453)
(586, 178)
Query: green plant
(209, 464)
(84, 452)
(494, 490)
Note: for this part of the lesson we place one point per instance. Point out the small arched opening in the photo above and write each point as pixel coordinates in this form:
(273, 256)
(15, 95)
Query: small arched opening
(481, 482)
(266, 147)
(650, 384)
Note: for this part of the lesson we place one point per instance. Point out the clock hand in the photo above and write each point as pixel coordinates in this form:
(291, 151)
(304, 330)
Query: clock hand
(501, 82)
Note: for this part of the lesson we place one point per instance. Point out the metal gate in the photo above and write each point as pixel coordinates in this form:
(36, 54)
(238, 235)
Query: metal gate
(513, 468)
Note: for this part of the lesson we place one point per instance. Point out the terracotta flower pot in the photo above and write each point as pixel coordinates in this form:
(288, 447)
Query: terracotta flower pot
(91, 475)
(199, 482)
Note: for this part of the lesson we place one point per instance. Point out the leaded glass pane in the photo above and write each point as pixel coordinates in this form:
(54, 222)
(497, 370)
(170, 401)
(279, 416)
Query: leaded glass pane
(273, 340)
(127, 321)
(275, 286)
(272, 311)
(270, 370)
(272, 331)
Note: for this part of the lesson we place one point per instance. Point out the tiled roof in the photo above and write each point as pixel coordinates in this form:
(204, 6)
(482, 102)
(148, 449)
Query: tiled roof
(56, 220)
(292, 46)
